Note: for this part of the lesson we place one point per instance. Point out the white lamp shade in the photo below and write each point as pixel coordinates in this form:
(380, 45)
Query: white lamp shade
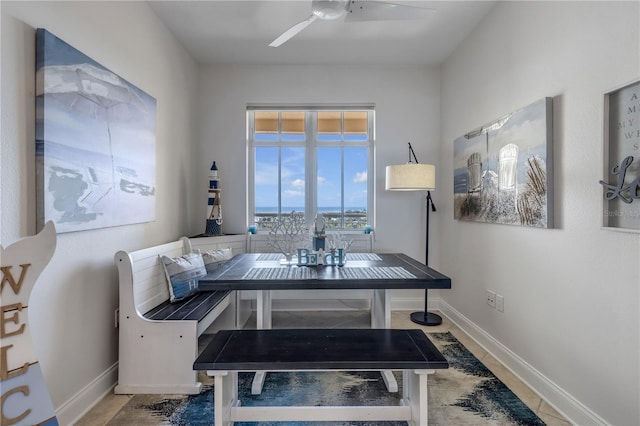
(410, 177)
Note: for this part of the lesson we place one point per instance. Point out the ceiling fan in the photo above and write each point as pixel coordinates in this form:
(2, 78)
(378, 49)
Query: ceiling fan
(354, 11)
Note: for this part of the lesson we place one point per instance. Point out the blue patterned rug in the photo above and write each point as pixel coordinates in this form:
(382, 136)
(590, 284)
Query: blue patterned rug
(465, 394)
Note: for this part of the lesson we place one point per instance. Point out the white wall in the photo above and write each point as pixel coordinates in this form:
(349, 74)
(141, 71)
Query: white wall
(72, 308)
(571, 293)
(407, 101)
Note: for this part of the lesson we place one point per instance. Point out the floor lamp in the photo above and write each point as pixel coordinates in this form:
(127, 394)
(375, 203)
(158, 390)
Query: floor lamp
(416, 177)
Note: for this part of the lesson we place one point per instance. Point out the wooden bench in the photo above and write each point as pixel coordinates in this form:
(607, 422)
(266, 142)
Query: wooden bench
(320, 349)
(158, 340)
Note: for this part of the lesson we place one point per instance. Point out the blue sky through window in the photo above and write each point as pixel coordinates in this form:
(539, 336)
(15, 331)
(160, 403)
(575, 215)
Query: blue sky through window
(330, 178)
(293, 178)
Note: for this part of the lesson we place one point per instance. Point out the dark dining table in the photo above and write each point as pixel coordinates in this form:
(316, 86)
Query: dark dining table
(379, 272)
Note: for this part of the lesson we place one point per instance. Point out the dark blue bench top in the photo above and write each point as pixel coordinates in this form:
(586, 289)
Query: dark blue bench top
(193, 308)
(320, 349)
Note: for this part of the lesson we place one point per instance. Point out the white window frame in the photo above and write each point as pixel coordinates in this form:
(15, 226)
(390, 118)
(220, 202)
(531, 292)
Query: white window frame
(311, 144)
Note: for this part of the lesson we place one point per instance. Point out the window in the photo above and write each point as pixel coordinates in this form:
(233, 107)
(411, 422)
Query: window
(308, 161)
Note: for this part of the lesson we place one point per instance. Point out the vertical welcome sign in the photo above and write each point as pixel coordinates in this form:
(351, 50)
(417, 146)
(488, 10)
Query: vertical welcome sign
(24, 398)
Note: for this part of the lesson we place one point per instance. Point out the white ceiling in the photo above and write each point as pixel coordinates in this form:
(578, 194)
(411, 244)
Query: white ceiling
(239, 32)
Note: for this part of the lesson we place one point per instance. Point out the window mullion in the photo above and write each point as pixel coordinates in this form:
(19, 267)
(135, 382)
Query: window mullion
(279, 181)
(251, 170)
(371, 168)
(279, 164)
(342, 144)
(342, 187)
(311, 170)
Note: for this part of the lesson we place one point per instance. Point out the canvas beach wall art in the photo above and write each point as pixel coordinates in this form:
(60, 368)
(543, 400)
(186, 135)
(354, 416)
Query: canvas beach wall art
(503, 171)
(95, 142)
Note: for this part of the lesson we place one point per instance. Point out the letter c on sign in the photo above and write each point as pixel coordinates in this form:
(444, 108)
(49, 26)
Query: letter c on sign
(11, 421)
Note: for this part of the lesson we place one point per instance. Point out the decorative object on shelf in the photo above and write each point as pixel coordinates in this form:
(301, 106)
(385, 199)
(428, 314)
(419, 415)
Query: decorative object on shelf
(214, 208)
(503, 171)
(621, 184)
(416, 177)
(95, 142)
(318, 232)
(288, 233)
(25, 397)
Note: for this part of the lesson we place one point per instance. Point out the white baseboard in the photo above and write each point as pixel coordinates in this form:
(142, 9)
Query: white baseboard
(79, 404)
(555, 396)
(414, 304)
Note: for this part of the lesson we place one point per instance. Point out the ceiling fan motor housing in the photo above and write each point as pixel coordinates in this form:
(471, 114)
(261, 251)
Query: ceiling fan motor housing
(329, 9)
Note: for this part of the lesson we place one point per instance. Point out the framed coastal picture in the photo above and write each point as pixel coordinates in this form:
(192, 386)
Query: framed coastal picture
(95, 142)
(503, 170)
(621, 183)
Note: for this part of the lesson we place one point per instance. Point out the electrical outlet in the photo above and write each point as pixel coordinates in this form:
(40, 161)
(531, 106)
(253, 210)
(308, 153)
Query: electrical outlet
(491, 298)
(500, 302)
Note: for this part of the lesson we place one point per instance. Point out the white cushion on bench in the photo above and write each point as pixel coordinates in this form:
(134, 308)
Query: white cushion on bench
(212, 258)
(182, 274)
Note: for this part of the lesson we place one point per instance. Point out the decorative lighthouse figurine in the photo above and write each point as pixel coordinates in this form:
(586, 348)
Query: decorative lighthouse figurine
(214, 209)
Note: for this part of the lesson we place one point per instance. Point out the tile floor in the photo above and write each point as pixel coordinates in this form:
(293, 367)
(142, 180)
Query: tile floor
(111, 404)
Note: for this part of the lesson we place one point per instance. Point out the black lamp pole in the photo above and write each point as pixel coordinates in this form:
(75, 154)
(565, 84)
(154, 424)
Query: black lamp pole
(425, 317)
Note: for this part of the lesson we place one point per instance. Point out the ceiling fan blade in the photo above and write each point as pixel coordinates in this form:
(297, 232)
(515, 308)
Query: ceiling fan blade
(365, 10)
(293, 31)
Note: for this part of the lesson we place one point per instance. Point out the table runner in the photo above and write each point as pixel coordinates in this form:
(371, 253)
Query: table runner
(376, 272)
(363, 256)
(266, 257)
(284, 273)
(297, 273)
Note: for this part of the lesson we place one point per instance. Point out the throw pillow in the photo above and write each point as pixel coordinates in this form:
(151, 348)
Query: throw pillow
(182, 274)
(213, 258)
